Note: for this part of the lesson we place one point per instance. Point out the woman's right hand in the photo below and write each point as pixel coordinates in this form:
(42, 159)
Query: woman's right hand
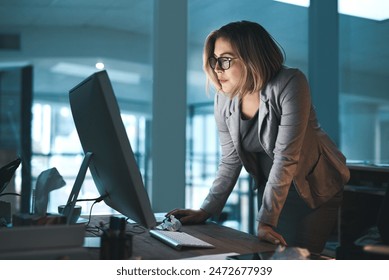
(266, 232)
(189, 216)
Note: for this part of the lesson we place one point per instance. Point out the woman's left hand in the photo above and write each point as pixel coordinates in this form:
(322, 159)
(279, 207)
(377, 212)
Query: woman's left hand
(267, 233)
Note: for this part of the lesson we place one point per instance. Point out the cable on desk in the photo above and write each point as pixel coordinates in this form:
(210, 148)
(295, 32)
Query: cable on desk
(93, 230)
(136, 229)
(96, 230)
(96, 200)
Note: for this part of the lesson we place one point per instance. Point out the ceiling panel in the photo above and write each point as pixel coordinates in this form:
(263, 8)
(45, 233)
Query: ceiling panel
(363, 42)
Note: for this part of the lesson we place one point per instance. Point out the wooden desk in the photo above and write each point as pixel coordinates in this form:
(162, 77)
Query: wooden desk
(226, 240)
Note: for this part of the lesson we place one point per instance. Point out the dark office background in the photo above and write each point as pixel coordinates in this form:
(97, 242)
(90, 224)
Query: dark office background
(152, 50)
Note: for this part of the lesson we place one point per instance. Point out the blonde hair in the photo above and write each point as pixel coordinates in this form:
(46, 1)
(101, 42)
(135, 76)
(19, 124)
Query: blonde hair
(259, 52)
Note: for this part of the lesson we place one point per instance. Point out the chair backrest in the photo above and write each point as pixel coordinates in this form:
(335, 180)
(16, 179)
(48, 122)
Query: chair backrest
(6, 173)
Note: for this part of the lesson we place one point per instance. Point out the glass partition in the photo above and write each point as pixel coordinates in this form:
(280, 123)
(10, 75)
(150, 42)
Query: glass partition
(364, 98)
(15, 131)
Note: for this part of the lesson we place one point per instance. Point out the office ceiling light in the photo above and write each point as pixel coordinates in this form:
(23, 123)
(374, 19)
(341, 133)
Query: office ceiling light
(99, 66)
(369, 9)
(84, 71)
(302, 3)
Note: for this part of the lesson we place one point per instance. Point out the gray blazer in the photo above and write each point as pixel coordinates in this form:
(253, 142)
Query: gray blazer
(290, 134)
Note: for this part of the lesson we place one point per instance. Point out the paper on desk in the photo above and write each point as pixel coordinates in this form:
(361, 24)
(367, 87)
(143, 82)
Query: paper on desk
(213, 257)
(47, 181)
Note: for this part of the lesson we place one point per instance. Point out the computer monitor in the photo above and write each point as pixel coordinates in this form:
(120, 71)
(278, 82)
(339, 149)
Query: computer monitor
(112, 163)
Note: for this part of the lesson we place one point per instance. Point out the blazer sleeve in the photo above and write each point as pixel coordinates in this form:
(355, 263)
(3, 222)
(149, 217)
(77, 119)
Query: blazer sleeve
(229, 165)
(293, 101)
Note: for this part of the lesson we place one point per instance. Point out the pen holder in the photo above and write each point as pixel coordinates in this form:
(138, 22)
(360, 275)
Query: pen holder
(116, 244)
(115, 247)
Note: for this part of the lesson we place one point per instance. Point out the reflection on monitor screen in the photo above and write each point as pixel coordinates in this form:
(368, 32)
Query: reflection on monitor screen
(102, 133)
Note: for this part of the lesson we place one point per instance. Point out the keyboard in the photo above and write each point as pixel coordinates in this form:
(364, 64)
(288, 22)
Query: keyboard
(179, 239)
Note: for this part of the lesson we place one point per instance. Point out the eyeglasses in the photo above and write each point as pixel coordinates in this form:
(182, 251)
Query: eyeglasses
(223, 62)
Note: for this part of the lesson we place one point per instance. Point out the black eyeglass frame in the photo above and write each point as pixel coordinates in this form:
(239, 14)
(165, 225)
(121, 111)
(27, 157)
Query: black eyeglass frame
(212, 61)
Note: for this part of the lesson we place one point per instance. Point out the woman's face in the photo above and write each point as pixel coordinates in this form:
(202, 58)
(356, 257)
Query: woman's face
(231, 77)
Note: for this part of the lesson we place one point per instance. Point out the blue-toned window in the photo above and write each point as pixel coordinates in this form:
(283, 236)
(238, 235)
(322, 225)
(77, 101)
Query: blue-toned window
(56, 144)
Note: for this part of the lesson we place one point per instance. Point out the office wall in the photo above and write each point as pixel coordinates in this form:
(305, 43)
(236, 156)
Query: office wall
(51, 39)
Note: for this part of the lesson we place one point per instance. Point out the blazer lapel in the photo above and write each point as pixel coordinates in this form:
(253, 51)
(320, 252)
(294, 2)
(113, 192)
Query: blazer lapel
(264, 132)
(233, 124)
(262, 114)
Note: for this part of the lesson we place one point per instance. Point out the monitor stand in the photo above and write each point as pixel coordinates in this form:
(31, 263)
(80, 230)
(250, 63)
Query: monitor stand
(69, 208)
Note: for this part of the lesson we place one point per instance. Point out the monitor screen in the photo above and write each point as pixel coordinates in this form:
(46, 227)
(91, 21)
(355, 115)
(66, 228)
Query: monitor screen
(97, 118)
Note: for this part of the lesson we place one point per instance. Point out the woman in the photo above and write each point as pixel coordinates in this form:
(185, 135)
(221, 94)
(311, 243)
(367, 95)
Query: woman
(266, 124)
